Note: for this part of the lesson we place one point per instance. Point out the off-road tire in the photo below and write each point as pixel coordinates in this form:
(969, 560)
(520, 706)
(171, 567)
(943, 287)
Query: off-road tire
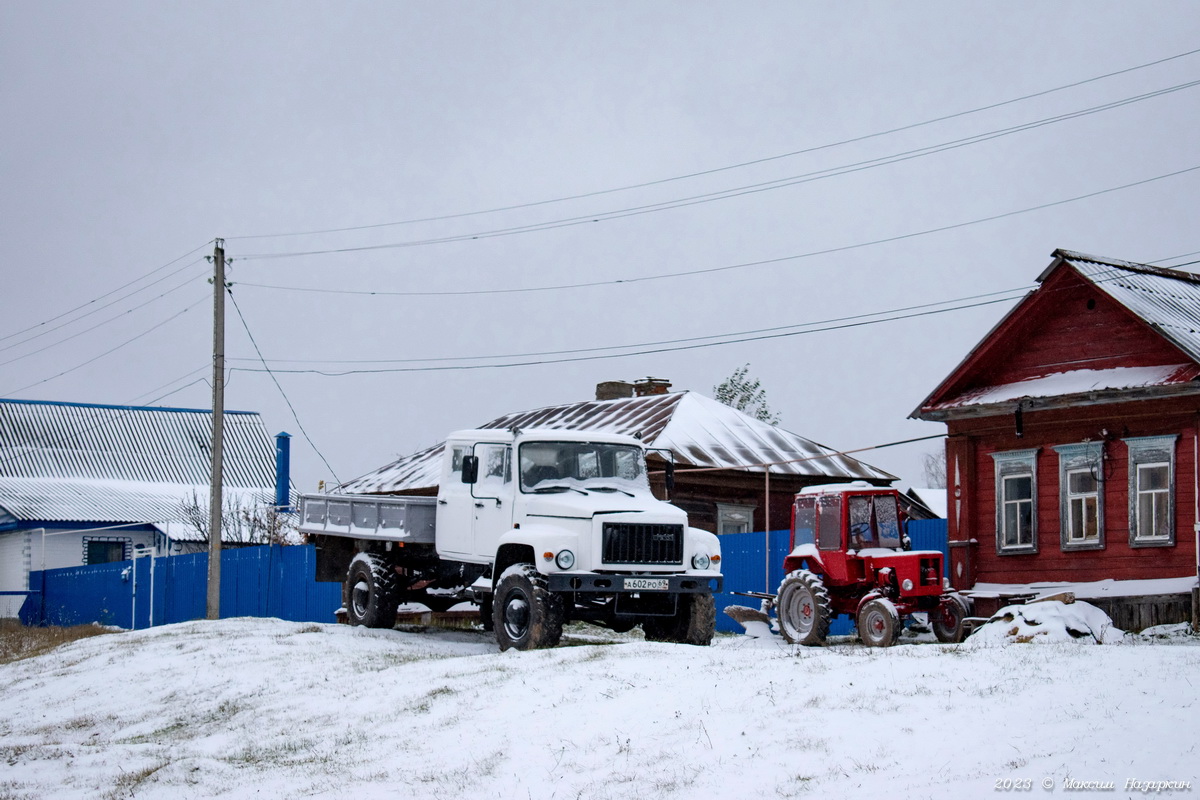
(370, 592)
(525, 613)
(486, 618)
(878, 624)
(694, 622)
(948, 621)
(803, 608)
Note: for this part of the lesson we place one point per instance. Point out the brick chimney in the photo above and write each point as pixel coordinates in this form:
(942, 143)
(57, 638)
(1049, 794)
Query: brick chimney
(613, 390)
(650, 386)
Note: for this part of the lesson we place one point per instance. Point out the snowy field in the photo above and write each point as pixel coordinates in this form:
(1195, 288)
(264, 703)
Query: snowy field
(247, 708)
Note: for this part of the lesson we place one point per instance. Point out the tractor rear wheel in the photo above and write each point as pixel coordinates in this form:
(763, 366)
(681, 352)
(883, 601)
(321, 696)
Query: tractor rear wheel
(878, 623)
(803, 608)
(948, 621)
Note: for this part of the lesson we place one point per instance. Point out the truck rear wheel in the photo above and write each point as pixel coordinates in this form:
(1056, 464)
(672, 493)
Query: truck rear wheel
(693, 623)
(949, 619)
(878, 624)
(526, 614)
(371, 592)
(803, 608)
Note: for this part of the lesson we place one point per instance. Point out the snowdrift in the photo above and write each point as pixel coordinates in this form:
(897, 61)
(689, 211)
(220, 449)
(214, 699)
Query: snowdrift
(1048, 621)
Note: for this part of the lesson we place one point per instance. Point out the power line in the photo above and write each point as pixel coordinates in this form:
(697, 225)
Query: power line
(112, 350)
(724, 194)
(690, 343)
(278, 386)
(113, 291)
(122, 315)
(743, 265)
(651, 344)
(653, 351)
(740, 165)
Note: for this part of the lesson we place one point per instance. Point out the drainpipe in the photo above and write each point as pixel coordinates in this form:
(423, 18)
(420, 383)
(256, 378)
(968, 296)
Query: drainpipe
(283, 469)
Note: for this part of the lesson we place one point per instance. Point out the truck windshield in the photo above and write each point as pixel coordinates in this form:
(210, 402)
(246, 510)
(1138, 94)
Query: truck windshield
(582, 466)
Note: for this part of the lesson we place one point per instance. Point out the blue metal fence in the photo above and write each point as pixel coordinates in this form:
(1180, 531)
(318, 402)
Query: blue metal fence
(275, 581)
(268, 581)
(749, 565)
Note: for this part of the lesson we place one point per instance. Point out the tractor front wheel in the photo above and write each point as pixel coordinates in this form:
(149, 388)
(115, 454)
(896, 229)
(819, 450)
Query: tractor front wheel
(948, 622)
(878, 623)
(803, 608)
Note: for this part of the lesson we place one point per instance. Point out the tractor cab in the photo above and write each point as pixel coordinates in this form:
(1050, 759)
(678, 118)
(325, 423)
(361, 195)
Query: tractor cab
(843, 520)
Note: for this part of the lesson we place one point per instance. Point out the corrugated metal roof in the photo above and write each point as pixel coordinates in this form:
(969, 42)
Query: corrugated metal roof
(1167, 299)
(700, 432)
(95, 463)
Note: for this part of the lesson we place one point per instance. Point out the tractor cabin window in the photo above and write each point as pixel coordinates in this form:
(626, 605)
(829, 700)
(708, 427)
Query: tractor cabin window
(1081, 495)
(1151, 491)
(1016, 501)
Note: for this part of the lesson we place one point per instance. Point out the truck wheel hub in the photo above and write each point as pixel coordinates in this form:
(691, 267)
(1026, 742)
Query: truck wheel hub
(516, 617)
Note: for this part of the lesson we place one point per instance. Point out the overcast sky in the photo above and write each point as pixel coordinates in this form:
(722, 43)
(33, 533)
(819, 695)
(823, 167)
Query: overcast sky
(136, 133)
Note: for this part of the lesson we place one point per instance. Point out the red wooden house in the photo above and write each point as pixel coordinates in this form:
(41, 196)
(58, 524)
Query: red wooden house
(1073, 431)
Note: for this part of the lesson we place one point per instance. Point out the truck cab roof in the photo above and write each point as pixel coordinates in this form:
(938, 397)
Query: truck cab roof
(540, 434)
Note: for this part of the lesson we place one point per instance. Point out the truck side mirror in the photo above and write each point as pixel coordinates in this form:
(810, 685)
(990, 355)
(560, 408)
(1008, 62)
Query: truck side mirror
(669, 477)
(470, 469)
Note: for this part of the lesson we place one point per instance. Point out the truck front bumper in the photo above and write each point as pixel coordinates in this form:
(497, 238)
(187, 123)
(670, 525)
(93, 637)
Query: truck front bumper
(621, 583)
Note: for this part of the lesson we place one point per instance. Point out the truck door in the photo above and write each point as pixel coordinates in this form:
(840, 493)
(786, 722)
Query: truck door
(456, 507)
(492, 496)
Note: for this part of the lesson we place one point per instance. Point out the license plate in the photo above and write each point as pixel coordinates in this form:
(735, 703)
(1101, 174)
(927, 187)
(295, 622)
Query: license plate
(647, 584)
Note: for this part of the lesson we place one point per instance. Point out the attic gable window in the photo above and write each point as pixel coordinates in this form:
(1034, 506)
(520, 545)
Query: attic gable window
(1016, 501)
(1151, 491)
(1081, 495)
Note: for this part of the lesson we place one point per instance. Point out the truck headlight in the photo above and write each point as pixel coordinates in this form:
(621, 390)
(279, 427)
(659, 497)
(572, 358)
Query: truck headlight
(701, 561)
(565, 559)
(907, 585)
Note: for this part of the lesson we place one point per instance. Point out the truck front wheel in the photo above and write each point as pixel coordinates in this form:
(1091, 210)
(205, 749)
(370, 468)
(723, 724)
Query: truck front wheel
(694, 623)
(526, 614)
(371, 592)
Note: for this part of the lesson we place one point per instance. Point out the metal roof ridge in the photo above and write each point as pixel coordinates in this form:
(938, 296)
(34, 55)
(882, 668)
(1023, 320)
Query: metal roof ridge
(1132, 266)
(111, 407)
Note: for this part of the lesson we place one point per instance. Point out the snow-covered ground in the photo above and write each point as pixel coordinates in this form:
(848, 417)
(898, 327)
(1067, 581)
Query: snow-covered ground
(263, 708)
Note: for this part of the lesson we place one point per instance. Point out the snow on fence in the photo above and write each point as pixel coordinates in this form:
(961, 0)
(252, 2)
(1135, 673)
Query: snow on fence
(267, 581)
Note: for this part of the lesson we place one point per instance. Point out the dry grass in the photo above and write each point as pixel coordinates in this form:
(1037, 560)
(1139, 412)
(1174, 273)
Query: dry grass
(18, 641)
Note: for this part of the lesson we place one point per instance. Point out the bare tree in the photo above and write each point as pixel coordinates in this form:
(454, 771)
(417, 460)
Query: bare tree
(745, 394)
(935, 469)
(242, 522)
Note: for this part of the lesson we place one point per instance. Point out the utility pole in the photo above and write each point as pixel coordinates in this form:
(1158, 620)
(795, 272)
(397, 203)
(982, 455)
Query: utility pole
(213, 607)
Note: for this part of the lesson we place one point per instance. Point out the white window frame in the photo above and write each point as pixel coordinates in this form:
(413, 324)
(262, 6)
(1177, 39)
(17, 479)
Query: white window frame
(1010, 465)
(1146, 452)
(1072, 459)
(730, 515)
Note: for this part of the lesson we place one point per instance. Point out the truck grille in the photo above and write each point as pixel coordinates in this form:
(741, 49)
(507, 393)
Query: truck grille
(634, 543)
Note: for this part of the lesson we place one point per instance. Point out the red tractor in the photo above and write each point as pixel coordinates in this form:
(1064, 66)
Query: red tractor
(849, 555)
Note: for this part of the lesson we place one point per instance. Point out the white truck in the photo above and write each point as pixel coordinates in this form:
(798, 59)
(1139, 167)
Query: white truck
(538, 528)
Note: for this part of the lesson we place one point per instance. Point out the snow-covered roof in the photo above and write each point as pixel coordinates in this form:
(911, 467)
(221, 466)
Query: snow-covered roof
(698, 430)
(1079, 381)
(78, 462)
(1167, 300)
